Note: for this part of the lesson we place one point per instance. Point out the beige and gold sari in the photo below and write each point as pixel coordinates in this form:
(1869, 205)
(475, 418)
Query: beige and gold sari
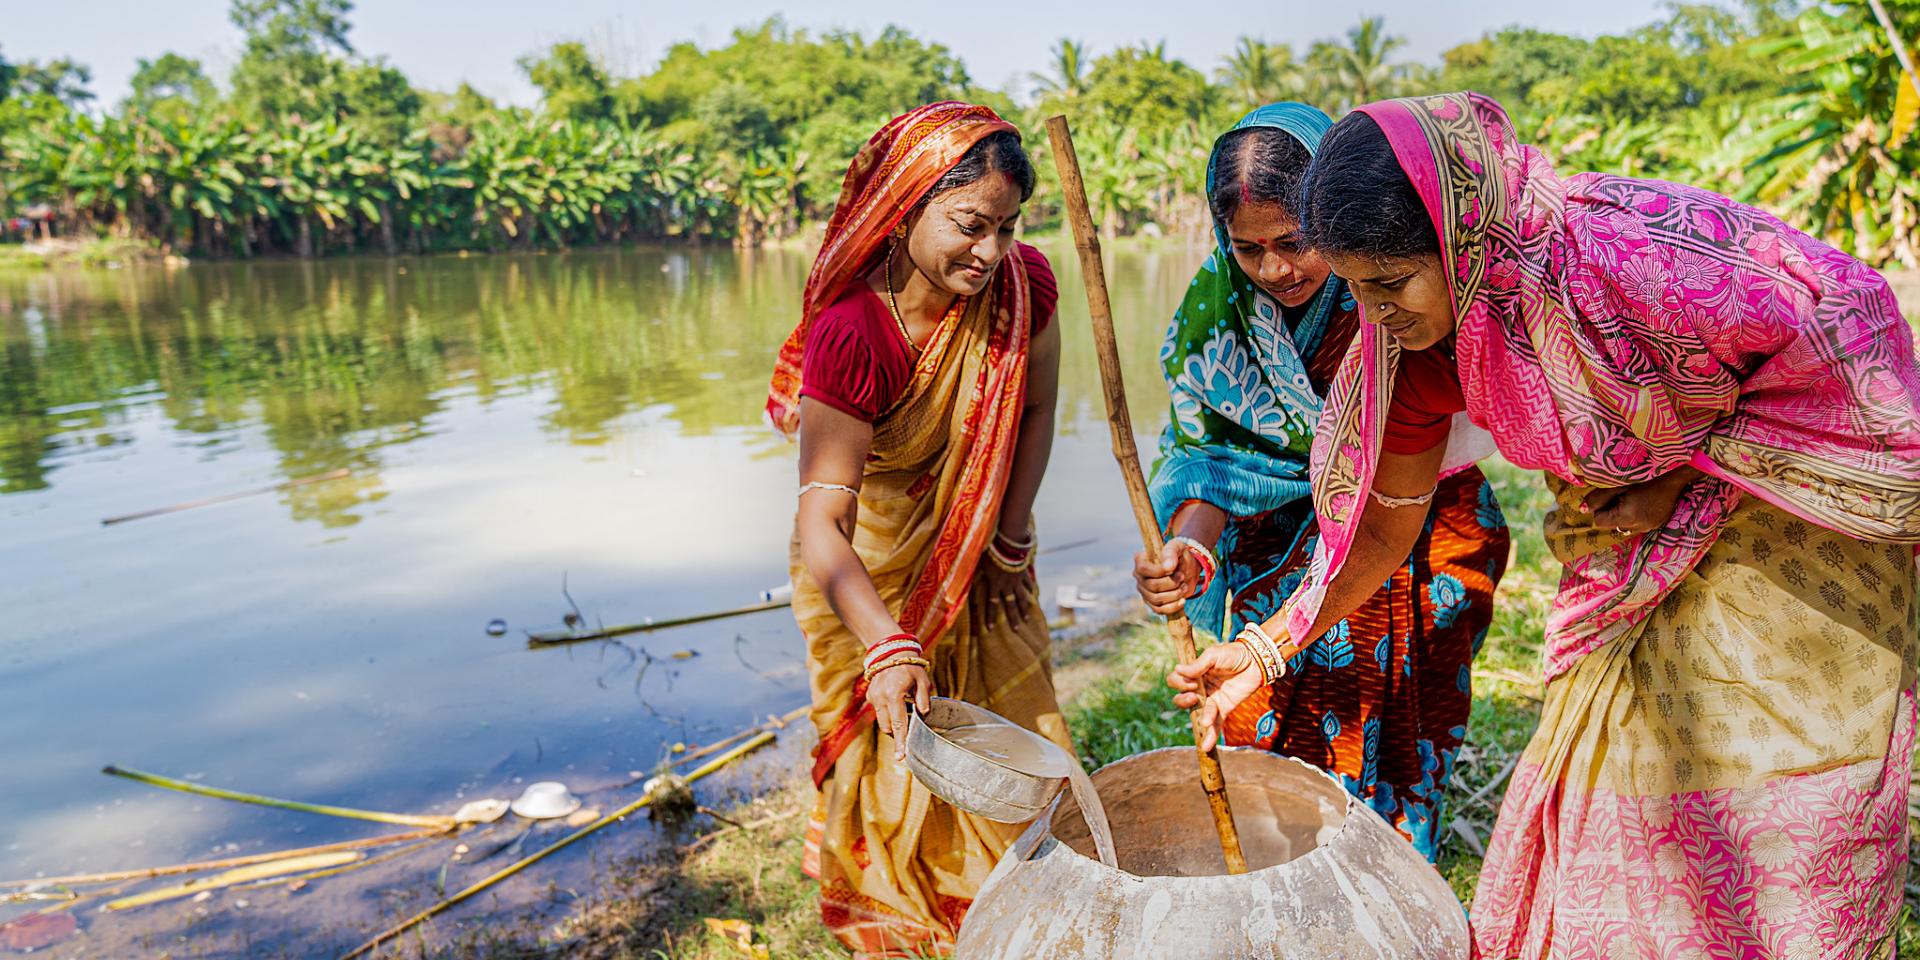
(898, 868)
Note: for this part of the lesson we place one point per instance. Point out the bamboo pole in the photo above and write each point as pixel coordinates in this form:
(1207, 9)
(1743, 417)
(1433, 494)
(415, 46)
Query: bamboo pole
(553, 638)
(149, 873)
(223, 498)
(777, 723)
(238, 875)
(336, 871)
(1124, 451)
(423, 916)
(169, 783)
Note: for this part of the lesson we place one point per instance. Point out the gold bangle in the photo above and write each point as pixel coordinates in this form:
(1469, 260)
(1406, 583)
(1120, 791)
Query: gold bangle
(920, 662)
(1266, 652)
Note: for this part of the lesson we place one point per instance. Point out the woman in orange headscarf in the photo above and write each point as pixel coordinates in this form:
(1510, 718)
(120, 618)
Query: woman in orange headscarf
(921, 382)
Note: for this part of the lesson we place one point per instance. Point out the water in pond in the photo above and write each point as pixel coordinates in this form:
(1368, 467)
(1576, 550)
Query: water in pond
(511, 425)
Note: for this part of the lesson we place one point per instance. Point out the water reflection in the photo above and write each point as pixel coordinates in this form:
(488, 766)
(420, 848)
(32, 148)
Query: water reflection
(510, 424)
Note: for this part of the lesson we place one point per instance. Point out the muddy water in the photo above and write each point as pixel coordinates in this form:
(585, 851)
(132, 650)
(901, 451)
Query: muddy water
(1094, 814)
(1166, 829)
(513, 425)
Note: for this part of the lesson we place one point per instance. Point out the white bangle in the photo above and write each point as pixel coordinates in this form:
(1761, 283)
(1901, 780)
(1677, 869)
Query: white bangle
(882, 651)
(821, 485)
(1390, 502)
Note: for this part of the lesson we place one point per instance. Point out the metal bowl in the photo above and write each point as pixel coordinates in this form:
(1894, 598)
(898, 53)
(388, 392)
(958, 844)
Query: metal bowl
(974, 782)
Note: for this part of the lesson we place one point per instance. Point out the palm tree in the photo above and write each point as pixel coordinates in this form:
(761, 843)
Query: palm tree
(1360, 68)
(1069, 76)
(1260, 72)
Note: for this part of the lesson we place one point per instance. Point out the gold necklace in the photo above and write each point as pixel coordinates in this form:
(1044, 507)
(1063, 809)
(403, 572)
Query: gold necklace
(893, 304)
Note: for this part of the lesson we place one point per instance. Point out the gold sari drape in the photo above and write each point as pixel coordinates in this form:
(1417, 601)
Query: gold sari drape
(897, 867)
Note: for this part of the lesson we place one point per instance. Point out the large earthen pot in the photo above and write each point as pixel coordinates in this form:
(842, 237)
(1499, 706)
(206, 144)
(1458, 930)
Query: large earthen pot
(1327, 876)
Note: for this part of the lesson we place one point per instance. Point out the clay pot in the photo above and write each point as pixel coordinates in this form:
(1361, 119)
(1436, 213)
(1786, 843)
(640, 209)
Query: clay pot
(1327, 876)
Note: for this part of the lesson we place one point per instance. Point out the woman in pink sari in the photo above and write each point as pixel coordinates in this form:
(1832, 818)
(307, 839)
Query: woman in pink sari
(1728, 412)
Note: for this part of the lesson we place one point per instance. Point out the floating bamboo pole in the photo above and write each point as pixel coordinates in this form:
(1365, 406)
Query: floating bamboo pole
(169, 783)
(238, 875)
(554, 638)
(1124, 451)
(148, 873)
(764, 738)
(718, 745)
(349, 868)
(223, 498)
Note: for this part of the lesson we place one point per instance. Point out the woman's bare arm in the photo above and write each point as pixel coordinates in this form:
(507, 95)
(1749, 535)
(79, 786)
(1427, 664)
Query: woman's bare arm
(1382, 543)
(833, 449)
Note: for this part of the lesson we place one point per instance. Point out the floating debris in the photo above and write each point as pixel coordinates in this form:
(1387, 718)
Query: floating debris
(36, 930)
(496, 627)
(546, 800)
(481, 811)
(646, 800)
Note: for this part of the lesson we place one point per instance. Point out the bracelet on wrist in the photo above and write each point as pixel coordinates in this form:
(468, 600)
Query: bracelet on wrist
(1209, 564)
(1019, 562)
(1013, 546)
(896, 644)
(1266, 653)
(897, 661)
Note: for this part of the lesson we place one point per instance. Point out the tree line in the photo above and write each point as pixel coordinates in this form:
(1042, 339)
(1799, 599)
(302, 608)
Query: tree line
(307, 147)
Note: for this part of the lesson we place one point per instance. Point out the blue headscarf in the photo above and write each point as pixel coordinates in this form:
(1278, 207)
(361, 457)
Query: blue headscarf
(1244, 408)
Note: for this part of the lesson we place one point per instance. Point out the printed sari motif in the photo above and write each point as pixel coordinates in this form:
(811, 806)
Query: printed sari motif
(1611, 330)
(898, 868)
(1382, 701)
(1720, 769)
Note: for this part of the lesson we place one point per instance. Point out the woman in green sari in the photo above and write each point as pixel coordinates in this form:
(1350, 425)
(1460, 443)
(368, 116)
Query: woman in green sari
(1382, 700)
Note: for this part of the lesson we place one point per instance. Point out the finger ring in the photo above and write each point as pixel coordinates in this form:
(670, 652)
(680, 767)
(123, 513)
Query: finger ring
(1008, 598)
(1622, 531)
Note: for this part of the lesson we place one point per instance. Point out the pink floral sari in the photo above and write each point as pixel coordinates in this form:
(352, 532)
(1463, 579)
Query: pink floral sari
(1721, 764)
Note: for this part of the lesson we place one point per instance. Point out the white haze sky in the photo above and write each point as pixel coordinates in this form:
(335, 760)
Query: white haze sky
(440, 43)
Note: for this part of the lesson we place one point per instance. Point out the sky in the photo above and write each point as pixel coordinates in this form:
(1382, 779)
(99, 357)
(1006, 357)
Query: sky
(440, 43)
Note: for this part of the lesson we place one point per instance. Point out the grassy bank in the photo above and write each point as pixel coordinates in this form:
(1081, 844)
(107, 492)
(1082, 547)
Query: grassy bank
(1110, 685)
(104, 252)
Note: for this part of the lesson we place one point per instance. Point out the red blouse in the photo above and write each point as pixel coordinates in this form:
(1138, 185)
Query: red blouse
(855, 360)
(1426, 395)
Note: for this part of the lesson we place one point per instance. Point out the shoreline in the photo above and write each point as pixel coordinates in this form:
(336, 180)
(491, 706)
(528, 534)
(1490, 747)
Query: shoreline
(107, 253)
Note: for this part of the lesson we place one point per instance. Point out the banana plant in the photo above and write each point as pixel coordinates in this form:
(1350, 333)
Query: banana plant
(1825, 153)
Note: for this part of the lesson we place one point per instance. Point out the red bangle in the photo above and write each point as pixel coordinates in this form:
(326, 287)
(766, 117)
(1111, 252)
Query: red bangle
(897, 636)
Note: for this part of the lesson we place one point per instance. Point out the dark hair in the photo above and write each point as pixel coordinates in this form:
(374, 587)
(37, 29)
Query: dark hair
(999, 151)
(1357, 200)
(1256, 165)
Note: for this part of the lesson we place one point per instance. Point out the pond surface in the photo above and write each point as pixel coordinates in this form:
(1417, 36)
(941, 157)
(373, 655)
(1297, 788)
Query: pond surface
(512, 427)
